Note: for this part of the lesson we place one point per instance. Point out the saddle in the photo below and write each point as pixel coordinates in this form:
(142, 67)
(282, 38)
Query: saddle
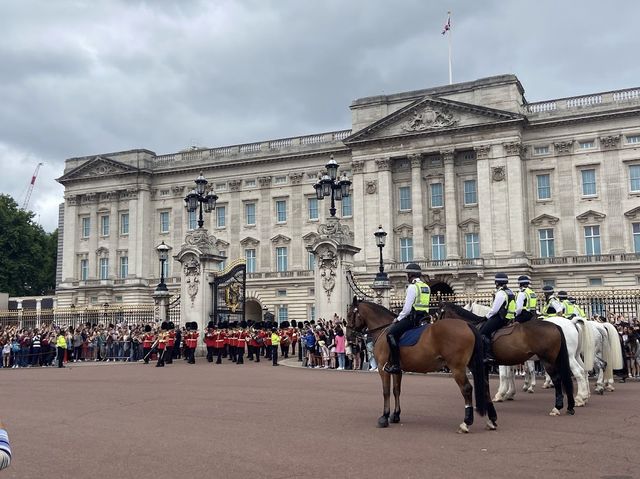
(504, 331)
(411, 337)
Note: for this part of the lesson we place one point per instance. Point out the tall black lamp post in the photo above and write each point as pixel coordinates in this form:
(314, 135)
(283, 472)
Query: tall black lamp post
(328, 184)
(382, 280)
(200, 196)
(163, 254)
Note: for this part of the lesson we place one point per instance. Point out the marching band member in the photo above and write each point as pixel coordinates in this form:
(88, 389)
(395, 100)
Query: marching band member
(162, 343)
(209, 341)
(147, 343)
(171, 342)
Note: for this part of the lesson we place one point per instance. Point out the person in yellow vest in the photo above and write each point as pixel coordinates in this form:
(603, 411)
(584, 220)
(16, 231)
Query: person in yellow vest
(502, 311)
(61, 345)
(569, 309)
(275, 344)
(526, 300)
(577, 309)
(416, 307)
(552, 305)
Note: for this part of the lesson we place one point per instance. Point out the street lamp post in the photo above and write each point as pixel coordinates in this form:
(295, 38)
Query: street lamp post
(163, 254)
(200, 196)
(381, 282)
(328, 184)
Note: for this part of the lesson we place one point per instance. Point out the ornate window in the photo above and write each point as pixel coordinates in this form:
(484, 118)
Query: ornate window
(547, 243)
(164, 222)
(592, 240)
(250, 258)
(347, 210)
(282, 263)
(250, 213)
(472, 245)
(86, 227)
(544, 186)
(634, 178)
(124, 267)
(124, 223)
(192, 220)
(84, 269)
(470, 192)
(104, 268)
(405, 198)
(311, 261)
(406, 250)
(283, 313)
(635, 228)
(221, 216)
(437, 198)
(312, 206)
(281, 211)
(438, 248)
(588, 182)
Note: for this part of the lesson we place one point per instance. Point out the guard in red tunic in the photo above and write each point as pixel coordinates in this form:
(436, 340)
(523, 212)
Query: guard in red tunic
(218, 342)
(192, 341)
(147, 343)
(241, 340)
(210, 341)
(171, 342)
(162, 343)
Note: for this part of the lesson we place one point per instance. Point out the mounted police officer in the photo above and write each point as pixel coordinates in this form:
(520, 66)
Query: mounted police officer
(502, 311)
(577, 309)
(552, 305)
(569, 309)
(526, 300)
(416, 307)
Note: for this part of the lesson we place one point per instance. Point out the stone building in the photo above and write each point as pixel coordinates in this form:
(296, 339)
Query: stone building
(467, 179)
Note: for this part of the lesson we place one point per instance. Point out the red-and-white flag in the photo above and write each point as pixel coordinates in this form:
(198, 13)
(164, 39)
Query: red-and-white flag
(447, 26)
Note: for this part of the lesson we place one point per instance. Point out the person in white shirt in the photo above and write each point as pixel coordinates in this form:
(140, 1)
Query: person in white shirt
(552, 305)
(502, 310)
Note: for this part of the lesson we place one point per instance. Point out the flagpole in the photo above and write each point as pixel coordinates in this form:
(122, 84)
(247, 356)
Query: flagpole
(449, 35)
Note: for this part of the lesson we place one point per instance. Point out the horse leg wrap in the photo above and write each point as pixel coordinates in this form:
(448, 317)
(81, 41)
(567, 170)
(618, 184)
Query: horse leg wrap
(468, 415)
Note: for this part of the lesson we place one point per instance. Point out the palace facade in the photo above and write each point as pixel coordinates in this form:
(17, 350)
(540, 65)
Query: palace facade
(467, 180)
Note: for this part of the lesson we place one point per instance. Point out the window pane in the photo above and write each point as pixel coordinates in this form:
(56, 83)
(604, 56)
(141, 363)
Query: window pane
(588, 182)
(192, 220)
(86, 227)
(405, 197)
(592, 240)
(281, 211)
(124, 224)
(346, 206)
(544, 187)
(634, 175)
(472, 245)
(84, 269)
(250, 213)
(311, 261)
(104, 225)
(165, 268)
(547, 248)
(438, 248)
(250, 257)
(313, 208)
(104, 268)
(436, 195)
(164, 222)
(124, 266)
(221, 215)
(406, 249)
(281, 259)
(470, 196)
(636, 237)
(283, 313)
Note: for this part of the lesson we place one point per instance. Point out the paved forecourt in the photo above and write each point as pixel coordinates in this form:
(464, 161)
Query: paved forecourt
(255, 420)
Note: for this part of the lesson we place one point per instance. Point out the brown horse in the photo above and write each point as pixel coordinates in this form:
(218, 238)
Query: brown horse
(452, 343)
(534, 337)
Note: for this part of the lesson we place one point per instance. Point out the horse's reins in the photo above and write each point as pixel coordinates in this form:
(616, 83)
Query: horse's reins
(375, 338)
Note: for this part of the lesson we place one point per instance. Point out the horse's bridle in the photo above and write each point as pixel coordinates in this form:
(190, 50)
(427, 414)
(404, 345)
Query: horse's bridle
(367, 331)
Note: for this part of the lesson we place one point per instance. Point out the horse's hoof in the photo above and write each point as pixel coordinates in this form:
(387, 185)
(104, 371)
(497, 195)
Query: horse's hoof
(579, 402)
(463, 429)
(609, 388)
(530, 390)
(383, 422)
(554, 412)
(546, 386)
(395, 419)
(570, 412)
(491, 426)
(510, 398)
(600, 391)
(498, 398)
(524, 388)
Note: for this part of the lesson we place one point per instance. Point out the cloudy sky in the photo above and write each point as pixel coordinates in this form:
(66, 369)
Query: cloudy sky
(82, 77)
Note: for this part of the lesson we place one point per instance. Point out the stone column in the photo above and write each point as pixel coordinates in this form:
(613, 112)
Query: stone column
(70, 235)
(333, 250)
(386, 206)
(512, 173)
(297, 205)
(265, 220)
(417, 199)
(359, 204)
(199, 259)
(484, 201)
(161, 305)
(450, 205)
(94, 233)
(565, 195)
(616, 191)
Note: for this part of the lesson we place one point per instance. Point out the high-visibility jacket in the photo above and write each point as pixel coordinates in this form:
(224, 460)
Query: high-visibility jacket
(508, 308)
(61, 342)
(275, 339)
(531, 300)
(569, 309)
(423, 296)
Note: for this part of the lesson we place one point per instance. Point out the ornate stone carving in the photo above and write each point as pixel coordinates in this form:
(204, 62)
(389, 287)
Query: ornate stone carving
(383, 164)
(563, 147)
(234, 185)
(430, 119)
(154, 192)
(482, 152)
(265, 181)
(448, 155)
(296, 177)
(372, 186)
(88, 198)
(514, 148)
(108, 196)
(357, 166)
(192, 276)
(338, 232)
(633, 213)
(100, 167)
(609, 142)
(545, 220)
(73, 200)
(328, 263)
(202, 240)
(498, 173)
(177, 189)
(591, 216)
(416, 160)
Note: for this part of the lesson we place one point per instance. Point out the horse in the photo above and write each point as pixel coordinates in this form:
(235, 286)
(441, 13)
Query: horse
(451, 343)
(507, 389)
(579, 341)
(608, 354)
(534, 337)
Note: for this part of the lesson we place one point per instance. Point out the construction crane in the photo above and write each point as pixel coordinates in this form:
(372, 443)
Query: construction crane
(27, 198)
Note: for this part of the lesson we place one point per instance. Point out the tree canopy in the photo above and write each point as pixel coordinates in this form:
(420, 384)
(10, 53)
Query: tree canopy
(27, 252)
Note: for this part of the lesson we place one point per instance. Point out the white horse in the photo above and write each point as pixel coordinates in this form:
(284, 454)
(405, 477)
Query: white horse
(578, 338)
(608, 354)
(507, 389)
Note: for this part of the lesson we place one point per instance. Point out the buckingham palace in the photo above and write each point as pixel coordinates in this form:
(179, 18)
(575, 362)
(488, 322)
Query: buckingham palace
(466, 179)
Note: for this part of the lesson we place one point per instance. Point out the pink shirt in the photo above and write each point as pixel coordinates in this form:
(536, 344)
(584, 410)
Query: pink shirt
(340, 344)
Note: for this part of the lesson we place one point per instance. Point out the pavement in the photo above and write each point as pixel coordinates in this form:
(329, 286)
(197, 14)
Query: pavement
(130, 420)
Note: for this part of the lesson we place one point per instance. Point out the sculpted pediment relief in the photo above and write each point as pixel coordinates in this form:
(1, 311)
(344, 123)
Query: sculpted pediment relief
(431, 115)
(470, 226)
(591, 216)
(544, 220)
(633, 213)
(249, 241)
(404, 230)
(280, 239)
(97, 167)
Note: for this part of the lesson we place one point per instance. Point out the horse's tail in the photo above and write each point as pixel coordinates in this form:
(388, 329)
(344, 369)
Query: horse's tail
(615, 351)
(480, 378)
(564, 369)
(586, 343)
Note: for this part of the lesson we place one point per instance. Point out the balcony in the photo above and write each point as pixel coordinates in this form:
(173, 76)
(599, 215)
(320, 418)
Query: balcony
(599, 258)
(445, 264)
(281, 274)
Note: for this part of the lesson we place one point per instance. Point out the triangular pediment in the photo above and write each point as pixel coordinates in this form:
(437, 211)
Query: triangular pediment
(470, 226)
(403, 228)
(431, 115)
(97, 167)
(249, 241)
(633, 213)
(222, 244)
(280, 239)
(590, 217)
(310, 237)
(544, 219)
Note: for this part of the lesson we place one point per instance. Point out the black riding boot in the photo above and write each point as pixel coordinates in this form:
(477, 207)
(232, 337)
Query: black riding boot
(488, 355)
(393, 363)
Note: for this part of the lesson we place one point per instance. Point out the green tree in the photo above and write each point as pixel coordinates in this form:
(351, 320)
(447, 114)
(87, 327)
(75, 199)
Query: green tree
(27, 252)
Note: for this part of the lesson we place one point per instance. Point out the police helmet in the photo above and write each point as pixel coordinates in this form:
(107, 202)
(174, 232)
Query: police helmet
(501, 278)
(524, 279)
(562, 295)
(547, 289)
(572, 300)
(413, 269)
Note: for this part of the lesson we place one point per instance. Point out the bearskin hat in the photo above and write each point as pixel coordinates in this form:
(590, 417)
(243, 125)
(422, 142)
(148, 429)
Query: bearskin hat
(164, 326)
(294, 323)
(210, 324)
(243, 324)
(147, 328)
(284, 324)
(171, 325)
